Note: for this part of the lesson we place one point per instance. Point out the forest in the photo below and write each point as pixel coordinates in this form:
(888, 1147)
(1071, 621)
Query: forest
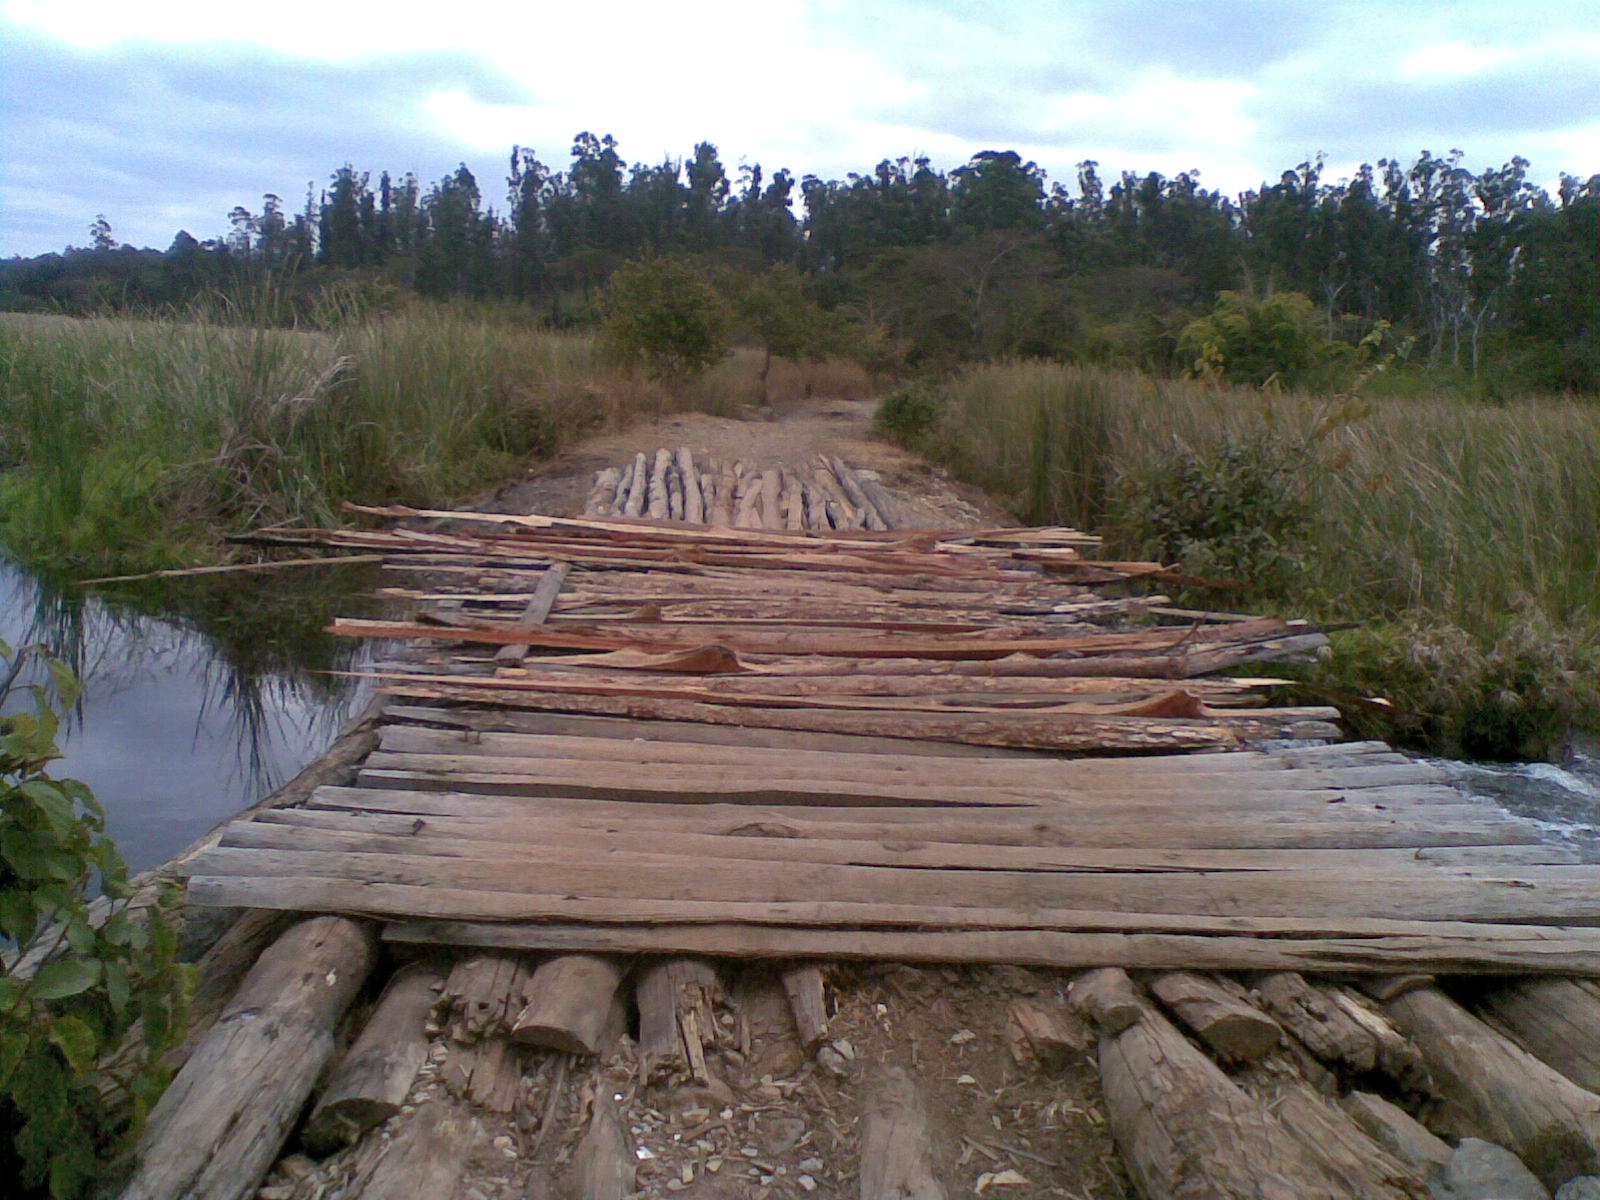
(1485, 280)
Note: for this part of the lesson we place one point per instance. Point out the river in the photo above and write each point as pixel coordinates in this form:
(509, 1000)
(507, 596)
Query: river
(191, 715)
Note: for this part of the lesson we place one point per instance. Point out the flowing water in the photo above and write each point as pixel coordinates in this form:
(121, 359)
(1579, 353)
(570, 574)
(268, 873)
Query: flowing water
(191, 715)
(1564, 800)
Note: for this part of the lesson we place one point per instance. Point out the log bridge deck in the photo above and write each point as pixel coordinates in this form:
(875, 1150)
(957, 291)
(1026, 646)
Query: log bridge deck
(778, 726)
(621, 735)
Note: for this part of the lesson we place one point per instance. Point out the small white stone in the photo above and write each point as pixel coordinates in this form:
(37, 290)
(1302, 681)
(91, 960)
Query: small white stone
(967, 1079)
(811, 1164)
(713, 1165)
(807, 1183)
(644, 1153)
(961, 1037)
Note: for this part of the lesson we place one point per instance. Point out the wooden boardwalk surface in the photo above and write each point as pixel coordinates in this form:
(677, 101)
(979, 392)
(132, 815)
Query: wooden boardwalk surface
(617, 735)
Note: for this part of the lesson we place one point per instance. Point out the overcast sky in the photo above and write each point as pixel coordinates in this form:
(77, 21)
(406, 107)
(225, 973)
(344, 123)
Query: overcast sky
(164, 114)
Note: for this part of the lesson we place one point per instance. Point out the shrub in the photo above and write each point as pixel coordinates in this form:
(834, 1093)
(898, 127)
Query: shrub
(76, 1076)
(663, 313)
(1278, 339)
(1518, 695)
(909, 414)
(1238, 511)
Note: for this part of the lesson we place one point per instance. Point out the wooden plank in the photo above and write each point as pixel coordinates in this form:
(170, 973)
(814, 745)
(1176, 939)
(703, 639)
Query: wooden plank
(360, 831)
(657, 734)
(1349, 826)
(536, 613)
(1525, 948)
(1064, 733)
(670, 887)
(1187, 775)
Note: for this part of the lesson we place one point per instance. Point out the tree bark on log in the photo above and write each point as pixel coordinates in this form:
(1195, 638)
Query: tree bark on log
(1558, 1020)
(896, 1149)
(1320, 1024)
(569, 1004)
(484, 995)
(1333, 1140)
(1043, 1039)
(1397, 1131)
(808, 1004)
(1188, 1132)
(223, 1119)
(657, 509)
(1490, 1088)
(694, 507)
(601, 494)
(1107, 999)
(1236, 1030)
(371, 1081)
(426, 1157)
(640, 489)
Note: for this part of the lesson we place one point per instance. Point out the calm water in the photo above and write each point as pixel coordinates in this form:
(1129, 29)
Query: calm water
(188, 717)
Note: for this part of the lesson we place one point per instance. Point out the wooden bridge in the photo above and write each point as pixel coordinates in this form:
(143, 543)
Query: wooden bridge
(781, 728)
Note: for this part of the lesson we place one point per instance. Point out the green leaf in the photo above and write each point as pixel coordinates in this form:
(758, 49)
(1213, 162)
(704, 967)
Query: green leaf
(118, 990)
(52, 801)
(67, 977)
(33, 856)
(77, 1042)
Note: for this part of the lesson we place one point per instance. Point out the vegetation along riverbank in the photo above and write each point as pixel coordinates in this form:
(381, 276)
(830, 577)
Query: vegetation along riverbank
(1460, 536)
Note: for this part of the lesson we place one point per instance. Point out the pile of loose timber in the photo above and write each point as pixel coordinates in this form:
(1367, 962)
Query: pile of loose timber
(671, 485)
(624, 736)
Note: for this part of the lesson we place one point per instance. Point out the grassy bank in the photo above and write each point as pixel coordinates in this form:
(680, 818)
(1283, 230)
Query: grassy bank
(1465, 537)
(128, 444)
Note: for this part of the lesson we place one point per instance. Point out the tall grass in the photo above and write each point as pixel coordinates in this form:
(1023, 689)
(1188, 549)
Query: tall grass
(1439, 519)
(128, 444)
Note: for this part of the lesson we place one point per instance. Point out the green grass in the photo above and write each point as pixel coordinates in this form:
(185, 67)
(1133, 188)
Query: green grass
(128, 444)
(1438, 522)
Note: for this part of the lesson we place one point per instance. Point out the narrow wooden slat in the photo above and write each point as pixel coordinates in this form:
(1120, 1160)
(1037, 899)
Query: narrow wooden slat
(1481, 950)
(537, 612)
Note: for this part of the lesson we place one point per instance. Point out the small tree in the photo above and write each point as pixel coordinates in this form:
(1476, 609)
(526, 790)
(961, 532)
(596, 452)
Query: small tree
(88, 1008)
(664, 313)
(775, 309)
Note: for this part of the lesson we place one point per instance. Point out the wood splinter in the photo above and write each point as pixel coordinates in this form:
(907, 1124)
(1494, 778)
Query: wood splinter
(677, 999)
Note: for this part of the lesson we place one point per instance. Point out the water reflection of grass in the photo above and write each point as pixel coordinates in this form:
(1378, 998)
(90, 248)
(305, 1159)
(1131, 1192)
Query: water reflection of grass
(254, 646)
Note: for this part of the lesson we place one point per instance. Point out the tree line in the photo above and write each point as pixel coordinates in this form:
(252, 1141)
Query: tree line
(1484, 272)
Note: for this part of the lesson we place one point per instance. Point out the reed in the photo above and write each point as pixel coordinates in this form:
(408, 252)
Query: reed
(129, 444)
(1431, 518)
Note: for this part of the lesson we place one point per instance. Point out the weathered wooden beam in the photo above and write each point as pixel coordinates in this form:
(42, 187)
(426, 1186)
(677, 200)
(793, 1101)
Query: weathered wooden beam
(1557, 1019)
(807, 1004)
(1185, 1129)
(221, 1122)
(536, 613)
(897, 1161)
(1220, 1016)
(569, 1004)
(372, 1079)
(1488, 1087)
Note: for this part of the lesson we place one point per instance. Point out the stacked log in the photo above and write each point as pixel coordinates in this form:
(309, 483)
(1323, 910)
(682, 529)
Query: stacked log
(674, 485)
